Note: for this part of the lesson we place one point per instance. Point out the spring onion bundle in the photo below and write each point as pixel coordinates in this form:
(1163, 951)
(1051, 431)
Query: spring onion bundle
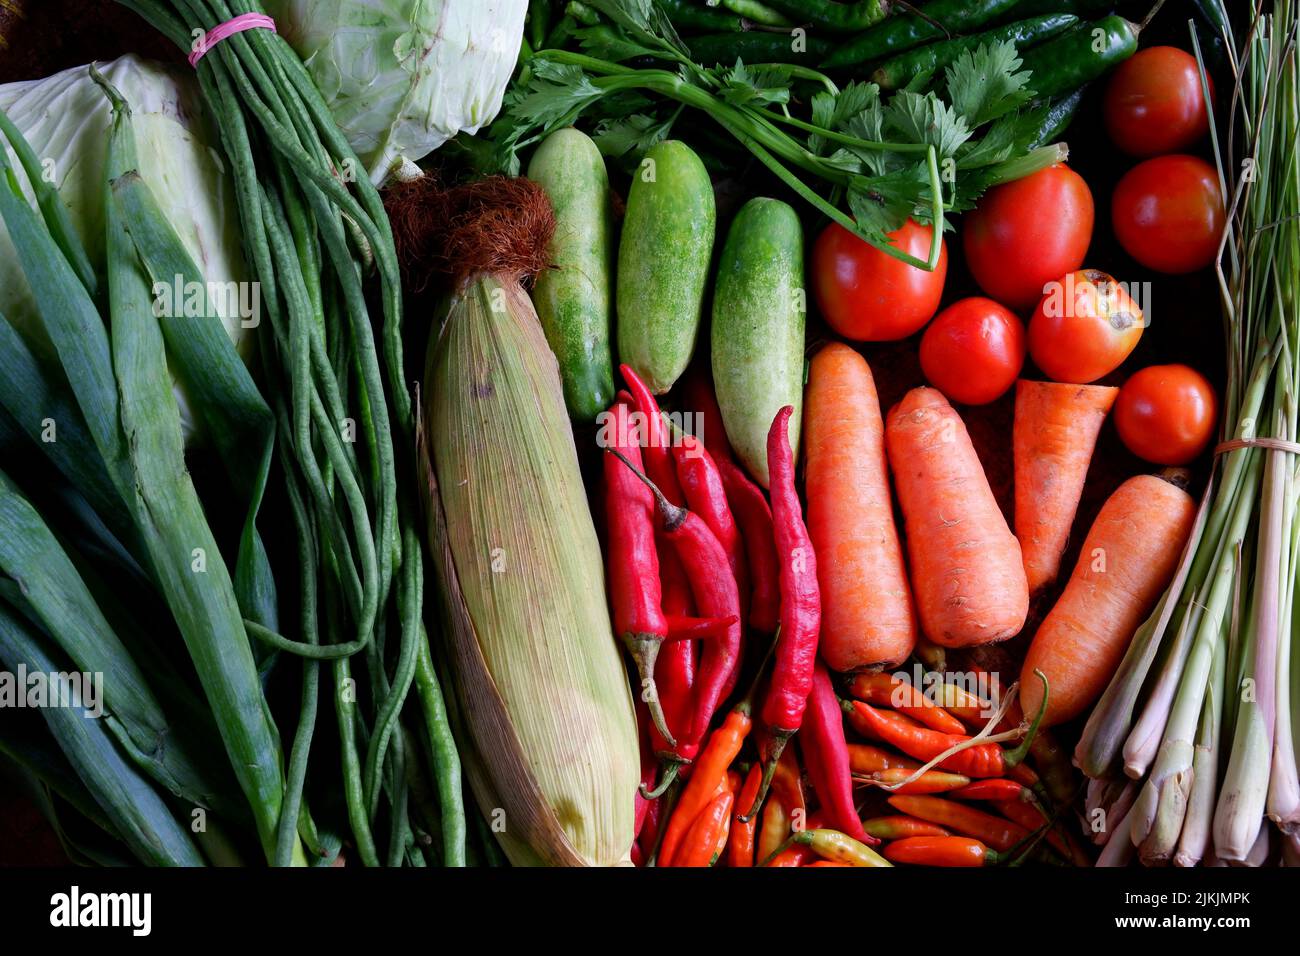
(1200, 717)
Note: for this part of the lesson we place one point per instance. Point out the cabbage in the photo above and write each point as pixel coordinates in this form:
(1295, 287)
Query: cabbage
(66, 119)
(404, 76)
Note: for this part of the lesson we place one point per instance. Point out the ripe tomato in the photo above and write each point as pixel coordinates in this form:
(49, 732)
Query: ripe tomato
(973, 350)
(1024, 234)
(1154, 102)
(1084, 328)
(1168, 213)
(869, 296)
(1165, 414)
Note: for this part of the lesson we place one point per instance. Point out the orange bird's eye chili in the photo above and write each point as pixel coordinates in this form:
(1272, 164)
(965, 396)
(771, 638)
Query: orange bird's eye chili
(886, 690)
(932, 781)
(998, 833)
(710, 773)
(740, 842)
(864, 759)
(633, 564)
(839, 847)
(801, 611)
(941, 851)
(700, 846)
(900, 827)
(826, 755)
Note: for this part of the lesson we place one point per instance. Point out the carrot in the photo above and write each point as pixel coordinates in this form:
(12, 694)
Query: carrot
(867, 612)
(967, 573)
(1128, 557)
(1053, 438)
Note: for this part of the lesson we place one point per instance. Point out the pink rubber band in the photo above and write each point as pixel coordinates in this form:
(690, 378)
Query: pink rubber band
(245, 21)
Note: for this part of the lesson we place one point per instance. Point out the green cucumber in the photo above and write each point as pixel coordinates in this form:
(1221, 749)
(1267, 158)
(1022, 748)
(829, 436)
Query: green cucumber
(573, 297)
(663, 263)
(759, 312)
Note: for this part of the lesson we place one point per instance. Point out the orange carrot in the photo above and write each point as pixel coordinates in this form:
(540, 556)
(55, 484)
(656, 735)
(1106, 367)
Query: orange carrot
(1128, 557)
(867, 611)
(1053, 439)
(967, 573)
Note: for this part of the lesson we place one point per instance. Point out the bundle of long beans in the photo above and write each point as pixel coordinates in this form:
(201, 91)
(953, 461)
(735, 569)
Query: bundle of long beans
(314, 227)
(1192, 745)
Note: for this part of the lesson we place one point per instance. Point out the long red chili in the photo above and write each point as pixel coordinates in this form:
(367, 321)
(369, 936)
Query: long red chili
(675, 668)
(701, 483)
(748, 505)
(826, 756)
(633, 564)
(716, 595)
(801, 612)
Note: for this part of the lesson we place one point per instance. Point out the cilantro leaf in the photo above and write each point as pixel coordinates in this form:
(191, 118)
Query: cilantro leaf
(742, 86)
(983, 83)
(927, 119)
(881, 204)
(557, 91)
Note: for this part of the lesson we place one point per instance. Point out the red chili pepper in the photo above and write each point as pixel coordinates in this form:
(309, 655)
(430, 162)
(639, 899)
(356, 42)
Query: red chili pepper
(886, 690)
(994, 788)
(826, 756)
(796, 642)
(657, 439)
(633, 565)
(714, 587)
(683, 628)
(702, 485)
(941, 851)
(748, 505)
(998, 833)
(1031, 817)
(754, 516)
(979, 760)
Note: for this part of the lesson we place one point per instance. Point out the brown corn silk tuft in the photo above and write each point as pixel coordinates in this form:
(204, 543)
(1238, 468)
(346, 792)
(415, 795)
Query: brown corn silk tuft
(499, 225)
(541, 687)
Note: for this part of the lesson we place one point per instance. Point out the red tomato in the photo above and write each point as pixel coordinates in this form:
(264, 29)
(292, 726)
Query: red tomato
(869, 296)
(1084, 327)
(973, 350)
(1168, 213)
(1154, 102)
(1165, 414)
(1026, 233)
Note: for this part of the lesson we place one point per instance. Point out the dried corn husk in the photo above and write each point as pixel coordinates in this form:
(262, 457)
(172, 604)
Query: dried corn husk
(542, 690)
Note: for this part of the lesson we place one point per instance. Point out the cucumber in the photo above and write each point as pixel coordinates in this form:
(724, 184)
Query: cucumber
(573, 297)
(759, 312)
(663, 263)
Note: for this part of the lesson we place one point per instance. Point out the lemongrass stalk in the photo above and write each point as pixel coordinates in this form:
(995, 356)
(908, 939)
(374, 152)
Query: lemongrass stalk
(1205, 769)
(1283, 803)
(1119, 848)
(1245, 787)
(1143, 742)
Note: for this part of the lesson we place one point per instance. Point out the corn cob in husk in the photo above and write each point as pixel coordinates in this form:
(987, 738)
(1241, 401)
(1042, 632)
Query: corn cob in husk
(543, 693)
